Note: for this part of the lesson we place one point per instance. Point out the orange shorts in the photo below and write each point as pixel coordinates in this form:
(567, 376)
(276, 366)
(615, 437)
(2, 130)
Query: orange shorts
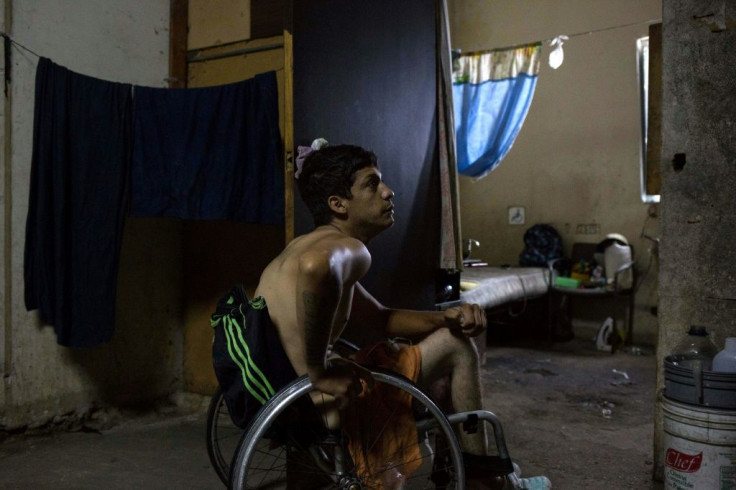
(380, 422)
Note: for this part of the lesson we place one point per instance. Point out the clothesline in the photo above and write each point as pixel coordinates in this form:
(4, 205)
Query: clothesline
(570, 36)
(8, 39)
(192, 57)
(577, 34)
(11, 40)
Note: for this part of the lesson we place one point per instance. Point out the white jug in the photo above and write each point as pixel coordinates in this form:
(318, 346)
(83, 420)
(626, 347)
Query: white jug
(614, 257)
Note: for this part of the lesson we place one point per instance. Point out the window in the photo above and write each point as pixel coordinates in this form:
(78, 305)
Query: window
(642, 64)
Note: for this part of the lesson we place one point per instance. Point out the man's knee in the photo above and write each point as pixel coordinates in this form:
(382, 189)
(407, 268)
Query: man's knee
(454, 366)
(455, 348)
(466, 350)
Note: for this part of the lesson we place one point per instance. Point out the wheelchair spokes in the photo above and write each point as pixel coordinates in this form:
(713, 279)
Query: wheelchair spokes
(289, 446)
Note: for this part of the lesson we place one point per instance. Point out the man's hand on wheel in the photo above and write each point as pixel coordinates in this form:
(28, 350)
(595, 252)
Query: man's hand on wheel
(343, 380)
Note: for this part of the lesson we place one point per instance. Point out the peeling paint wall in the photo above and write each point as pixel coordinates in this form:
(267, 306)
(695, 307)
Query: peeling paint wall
(123, 41)
(5, 210)
(575, 162)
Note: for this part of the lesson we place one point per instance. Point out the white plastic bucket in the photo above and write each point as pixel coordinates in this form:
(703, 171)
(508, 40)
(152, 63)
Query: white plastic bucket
(699, 447)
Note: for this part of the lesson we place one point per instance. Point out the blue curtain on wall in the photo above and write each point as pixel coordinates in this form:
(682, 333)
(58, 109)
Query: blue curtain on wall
(492, 92)
(208, 153)
(82, 136)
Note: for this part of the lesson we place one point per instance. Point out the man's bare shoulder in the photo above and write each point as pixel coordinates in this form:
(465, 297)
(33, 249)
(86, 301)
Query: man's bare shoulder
(330, 248)
(333, 249)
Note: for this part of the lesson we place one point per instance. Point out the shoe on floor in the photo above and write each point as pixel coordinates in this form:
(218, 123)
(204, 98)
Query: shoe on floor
(532, 483)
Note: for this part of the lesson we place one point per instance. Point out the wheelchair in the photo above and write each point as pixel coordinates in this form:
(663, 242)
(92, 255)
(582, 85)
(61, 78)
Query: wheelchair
(292, 444)
(223, 436)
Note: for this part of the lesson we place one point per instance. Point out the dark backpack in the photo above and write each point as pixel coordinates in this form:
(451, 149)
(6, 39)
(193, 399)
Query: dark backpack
(543, 243)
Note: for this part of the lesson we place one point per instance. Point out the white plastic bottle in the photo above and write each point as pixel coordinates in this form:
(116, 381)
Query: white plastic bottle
(725, 361)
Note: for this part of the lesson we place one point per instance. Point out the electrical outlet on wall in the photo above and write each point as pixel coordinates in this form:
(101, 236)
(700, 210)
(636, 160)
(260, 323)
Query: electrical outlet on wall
(587, 229)
(516, 215)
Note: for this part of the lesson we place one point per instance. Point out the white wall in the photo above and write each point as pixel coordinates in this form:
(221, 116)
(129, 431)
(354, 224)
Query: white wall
(116, 40)
(576, 159)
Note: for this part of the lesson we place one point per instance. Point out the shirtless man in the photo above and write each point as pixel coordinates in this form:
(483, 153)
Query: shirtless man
(312, 288)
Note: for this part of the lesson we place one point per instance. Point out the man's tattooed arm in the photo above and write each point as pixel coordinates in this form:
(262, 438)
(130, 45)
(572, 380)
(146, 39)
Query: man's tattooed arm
(318, 316)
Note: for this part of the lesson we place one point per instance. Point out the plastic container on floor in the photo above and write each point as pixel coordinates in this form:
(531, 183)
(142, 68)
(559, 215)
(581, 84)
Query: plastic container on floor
(725, 360)
(706, 388)
(696, 351)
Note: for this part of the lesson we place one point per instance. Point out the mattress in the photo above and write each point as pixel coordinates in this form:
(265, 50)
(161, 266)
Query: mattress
(494, 286)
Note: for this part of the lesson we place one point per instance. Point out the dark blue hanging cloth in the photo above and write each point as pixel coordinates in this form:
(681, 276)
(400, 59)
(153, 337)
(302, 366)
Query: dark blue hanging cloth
(80, 164)
(209, 153)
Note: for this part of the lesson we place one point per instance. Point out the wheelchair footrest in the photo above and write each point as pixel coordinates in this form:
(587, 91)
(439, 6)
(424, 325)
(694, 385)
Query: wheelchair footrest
(488, 465)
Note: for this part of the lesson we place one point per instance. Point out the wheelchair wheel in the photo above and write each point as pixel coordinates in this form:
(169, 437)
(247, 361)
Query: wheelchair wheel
(222, 436)
(290, 445)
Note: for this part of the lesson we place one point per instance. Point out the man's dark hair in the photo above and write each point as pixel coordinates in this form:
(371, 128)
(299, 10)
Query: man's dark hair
(330, 171)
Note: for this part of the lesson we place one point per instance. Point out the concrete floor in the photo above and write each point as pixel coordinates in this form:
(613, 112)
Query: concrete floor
(582, 417)
(566, 413)
(153, 452)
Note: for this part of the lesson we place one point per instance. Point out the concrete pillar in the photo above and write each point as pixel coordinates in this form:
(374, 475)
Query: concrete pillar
(697, 280)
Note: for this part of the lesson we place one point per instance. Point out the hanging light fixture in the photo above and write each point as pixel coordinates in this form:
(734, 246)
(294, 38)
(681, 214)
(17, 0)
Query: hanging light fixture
(557, 56)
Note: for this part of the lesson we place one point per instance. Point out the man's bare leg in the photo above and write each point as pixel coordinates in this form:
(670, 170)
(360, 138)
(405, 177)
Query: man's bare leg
(446, 354)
